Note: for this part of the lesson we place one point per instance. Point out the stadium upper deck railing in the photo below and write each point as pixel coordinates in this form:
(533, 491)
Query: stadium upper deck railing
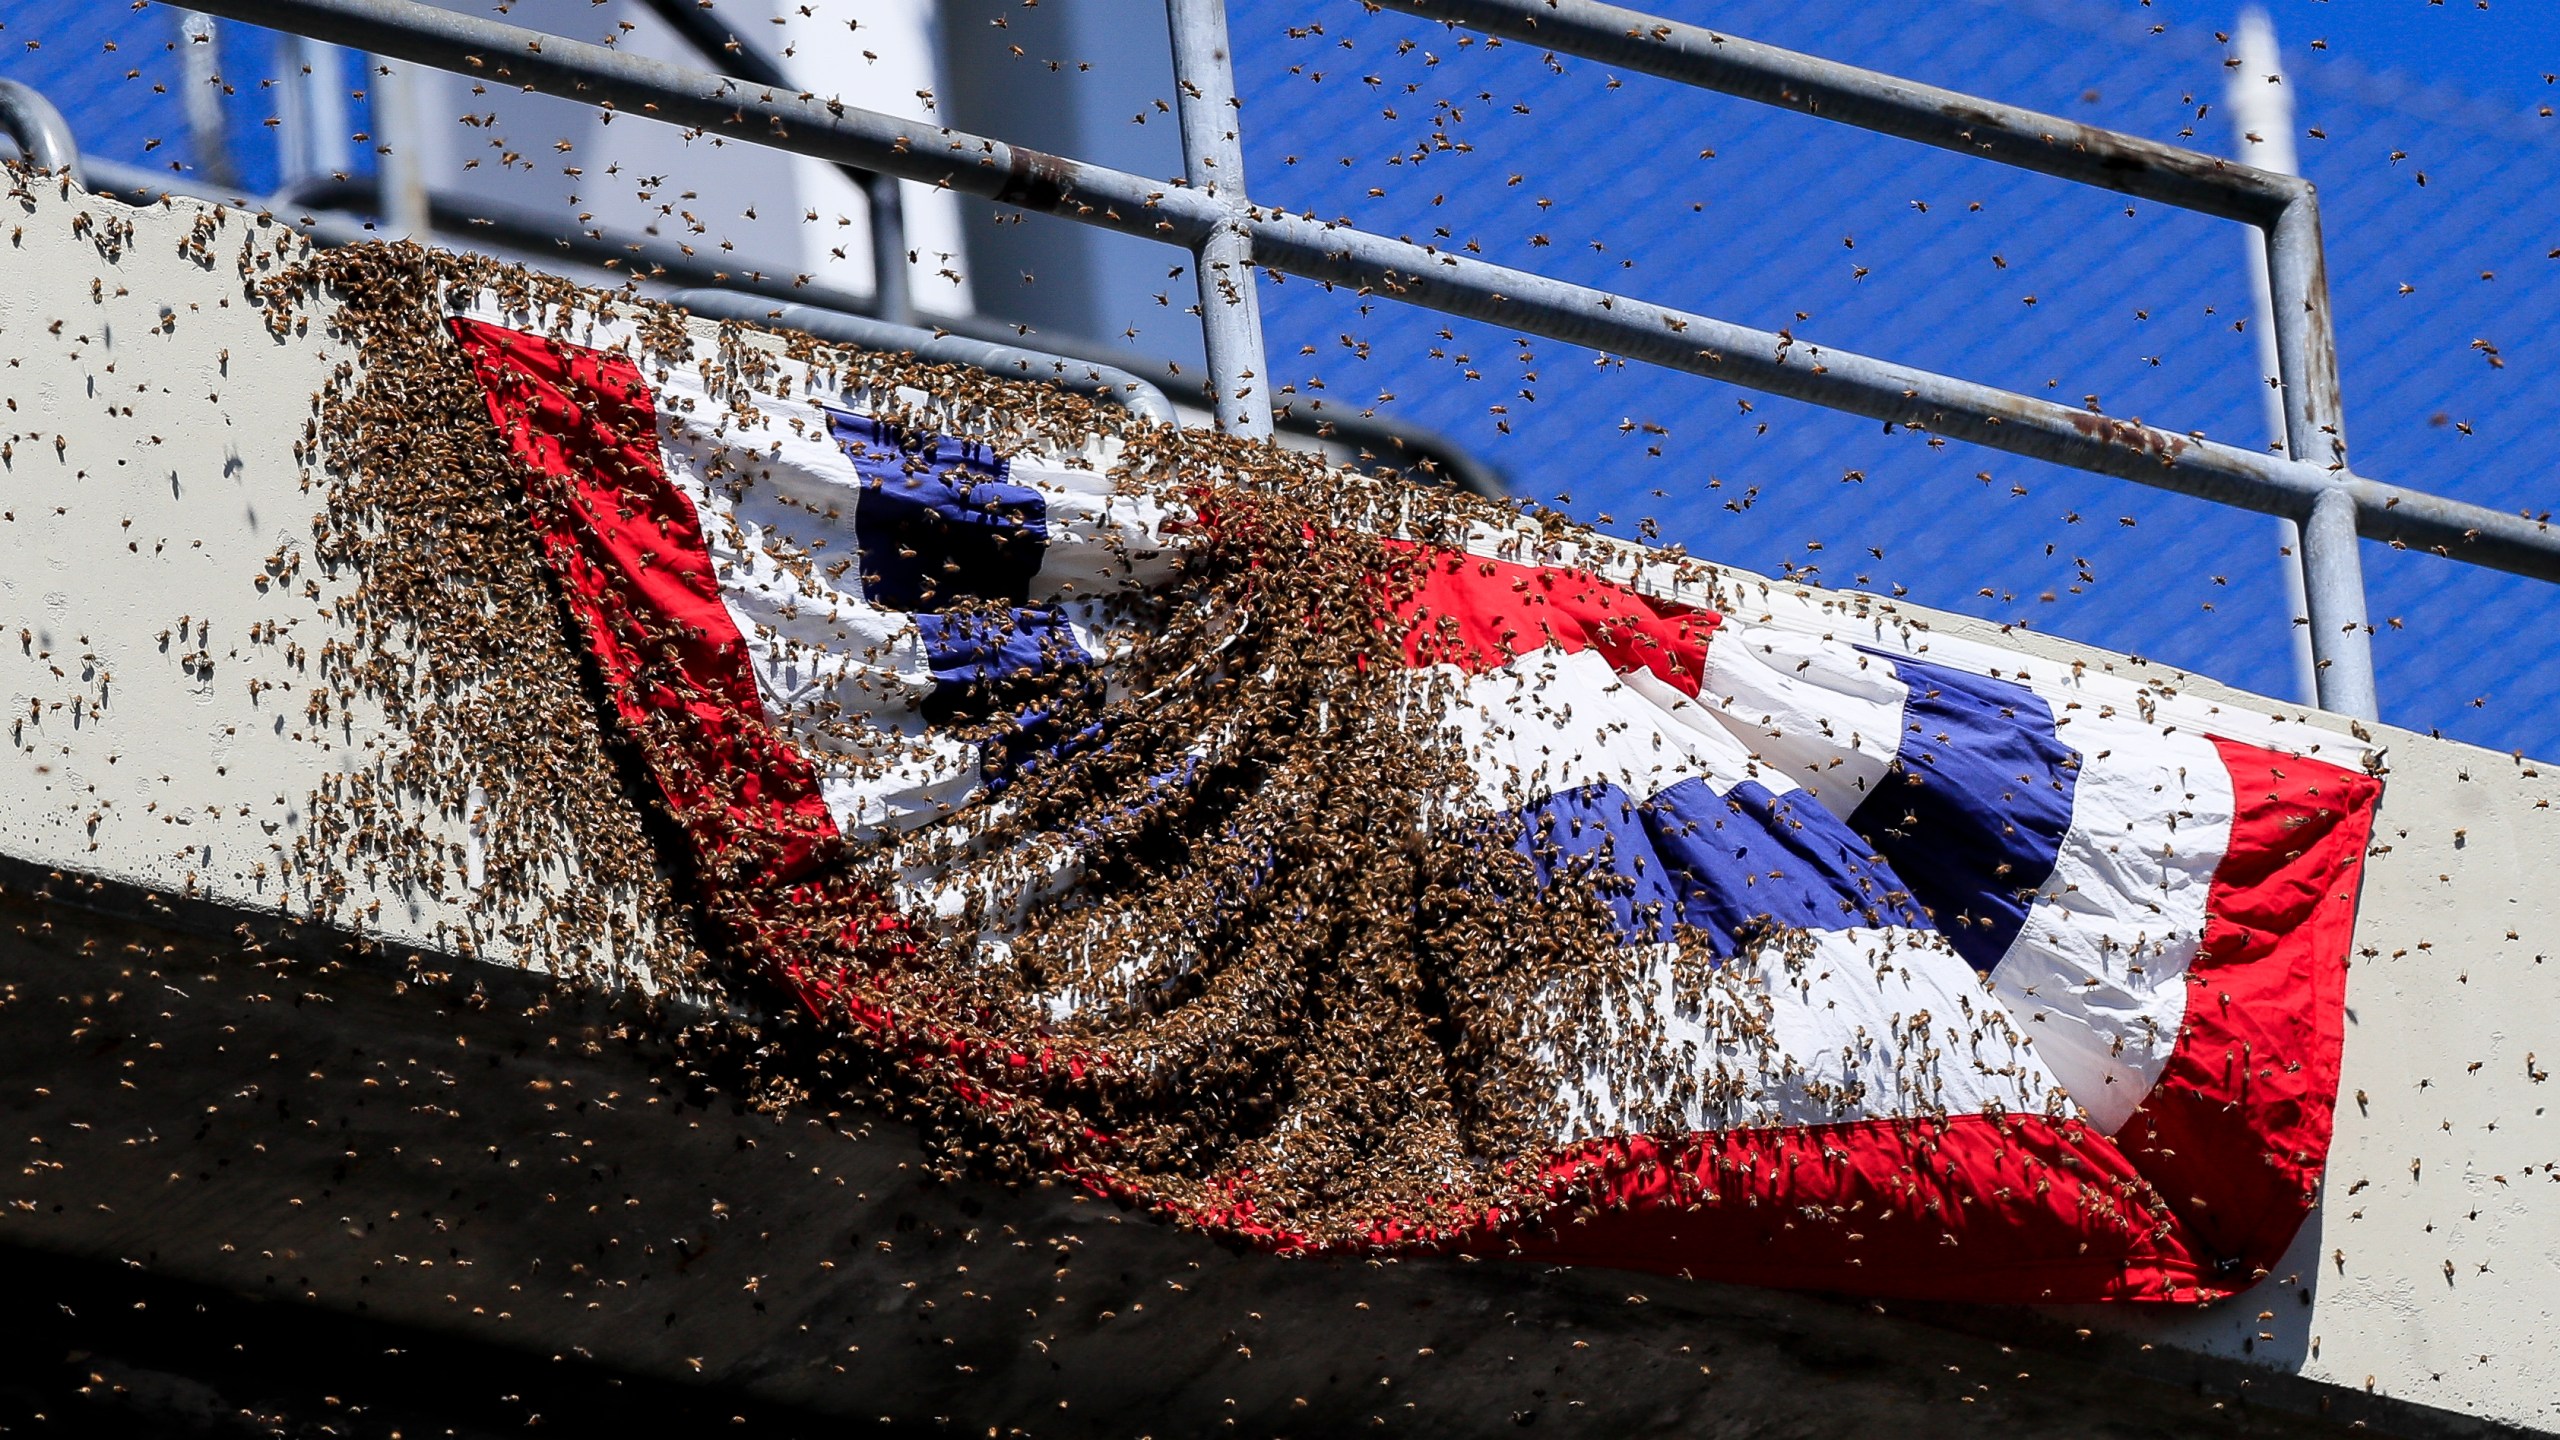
(1230, 236)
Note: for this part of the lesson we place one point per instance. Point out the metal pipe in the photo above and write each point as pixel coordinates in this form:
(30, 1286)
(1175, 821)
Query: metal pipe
(776, 116)
(2261, 106)
(397, 145)
(1783, 364)
(1409, 448)
(200, 65)
(136, 185)
(732, 54)
(2456, 529)
(2333, 584)
(891, 298)
(1409, 451)
(1114, 200)
(2316, 434)
(1206, 107)
(1011, 361)
(1948, 119)
(43, 136)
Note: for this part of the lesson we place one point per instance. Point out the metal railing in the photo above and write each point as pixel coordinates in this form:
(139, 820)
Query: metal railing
(712, 39)
(43, 136)
(322, 209)
(2285, 207)
(843, 327)
(1230, 236)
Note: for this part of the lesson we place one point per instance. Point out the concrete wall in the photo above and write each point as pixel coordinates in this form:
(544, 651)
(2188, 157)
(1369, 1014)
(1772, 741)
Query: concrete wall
(163, 616)
(150, 477)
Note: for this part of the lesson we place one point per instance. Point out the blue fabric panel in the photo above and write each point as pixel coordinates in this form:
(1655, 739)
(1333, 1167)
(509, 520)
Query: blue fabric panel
(1034, 738)
(1597, 830)
(1973, 815)
(1020, 644)
(1748, 857)
(1721, 864)
(938, 521)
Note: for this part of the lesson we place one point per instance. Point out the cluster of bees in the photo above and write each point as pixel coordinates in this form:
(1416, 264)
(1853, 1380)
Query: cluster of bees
(1315, 993)
(450, 633)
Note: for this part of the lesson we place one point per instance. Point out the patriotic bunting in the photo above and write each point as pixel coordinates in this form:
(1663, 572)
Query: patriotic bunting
(1906, 967)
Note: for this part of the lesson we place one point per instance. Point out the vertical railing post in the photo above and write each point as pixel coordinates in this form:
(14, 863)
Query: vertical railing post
(2262, 122)
(200, 62)
(400, 163)
(891, 300)
(1204, 86)
(2316, 433)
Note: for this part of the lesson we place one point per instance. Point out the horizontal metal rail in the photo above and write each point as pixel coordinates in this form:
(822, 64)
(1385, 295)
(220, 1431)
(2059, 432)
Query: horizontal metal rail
(140, 185)
(840, 327)
(1941, 405)
(627, 84)
(1948, 119)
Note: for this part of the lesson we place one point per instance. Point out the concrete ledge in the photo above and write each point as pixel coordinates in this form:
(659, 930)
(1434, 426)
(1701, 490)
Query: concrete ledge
(539, 1208)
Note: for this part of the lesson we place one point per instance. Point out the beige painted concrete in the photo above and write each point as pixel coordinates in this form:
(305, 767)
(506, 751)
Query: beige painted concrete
(153, 524)
(2433, 1264)
(148, 481)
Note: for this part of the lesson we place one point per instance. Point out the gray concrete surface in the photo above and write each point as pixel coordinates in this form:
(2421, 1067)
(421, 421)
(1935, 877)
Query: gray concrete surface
(478, 1179)
(150, 477)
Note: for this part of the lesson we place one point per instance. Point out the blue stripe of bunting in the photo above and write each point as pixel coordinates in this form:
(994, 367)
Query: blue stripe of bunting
(1974, 814)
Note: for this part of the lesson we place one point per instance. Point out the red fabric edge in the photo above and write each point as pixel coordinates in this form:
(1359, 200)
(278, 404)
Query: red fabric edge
(2012, 1209)
(1478, 614)
(2007, 1209)
(628, 546)
(2236, 1131)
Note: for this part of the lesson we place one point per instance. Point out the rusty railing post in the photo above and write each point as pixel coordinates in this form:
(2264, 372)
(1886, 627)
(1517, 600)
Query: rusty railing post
(1205, 103)
(2316, 434)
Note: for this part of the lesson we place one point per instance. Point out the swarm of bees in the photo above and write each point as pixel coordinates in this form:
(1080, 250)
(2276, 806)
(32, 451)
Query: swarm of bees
(1256, 955)
(452, 634)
